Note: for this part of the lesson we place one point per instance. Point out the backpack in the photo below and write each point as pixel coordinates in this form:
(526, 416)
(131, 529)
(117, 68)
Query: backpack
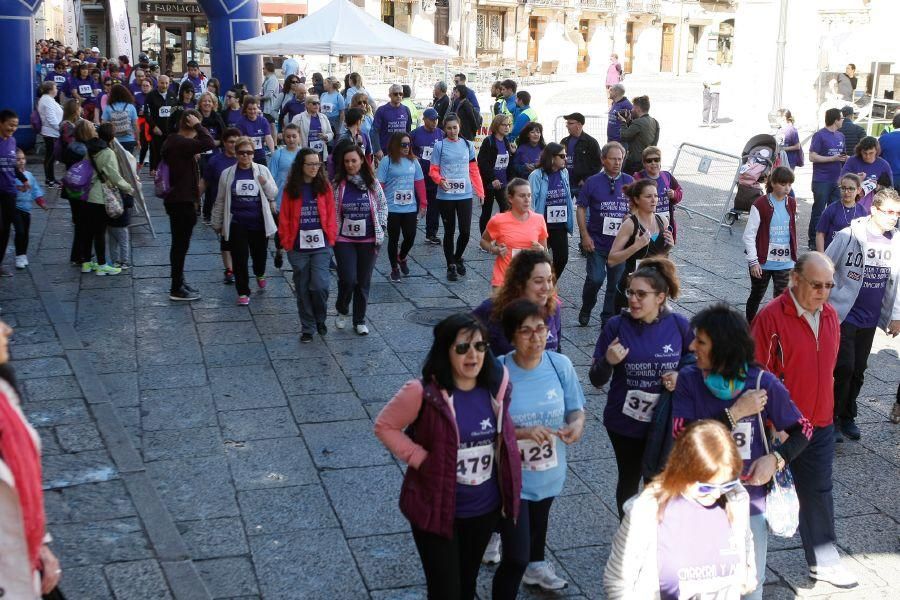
(120, 120)
(36, 123)
(162, 183)
(77, 181)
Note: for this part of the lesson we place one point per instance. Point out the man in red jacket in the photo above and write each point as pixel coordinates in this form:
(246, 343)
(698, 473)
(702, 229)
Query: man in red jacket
(797, 337)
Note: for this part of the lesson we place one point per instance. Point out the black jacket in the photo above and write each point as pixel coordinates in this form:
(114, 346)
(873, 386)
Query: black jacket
(487, 158)
(468, 126)
(586, 161)
(852, 134)
(441, 105)
(155, 101)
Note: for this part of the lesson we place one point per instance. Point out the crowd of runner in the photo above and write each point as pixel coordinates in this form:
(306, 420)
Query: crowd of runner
(706, 411)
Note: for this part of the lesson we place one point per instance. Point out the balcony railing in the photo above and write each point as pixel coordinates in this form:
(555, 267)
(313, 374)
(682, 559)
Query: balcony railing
(650, 7)
(551, 3)
(598, 5)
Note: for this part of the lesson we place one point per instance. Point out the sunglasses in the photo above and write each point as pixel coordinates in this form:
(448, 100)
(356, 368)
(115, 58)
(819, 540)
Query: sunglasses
(404, 144)
(652, 160)
(817, 285)
(641, 294)
(463, 348)
(721, 488)
(314, 103)
(561, 155)
(530, 332)
(245, 152)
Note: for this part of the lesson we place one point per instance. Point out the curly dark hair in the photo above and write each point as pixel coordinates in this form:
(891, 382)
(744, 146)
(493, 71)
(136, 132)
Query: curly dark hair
(516, 277)
(120, 93)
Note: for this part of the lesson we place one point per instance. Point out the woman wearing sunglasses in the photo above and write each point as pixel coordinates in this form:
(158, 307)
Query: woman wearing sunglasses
(552, 198)
(547, 412)
(639, 352)
(726, 384)
(315, 128)
(453, 428)
(668, 188)
(404, 187)
(686, 535)
(494, 160)
(839, 215)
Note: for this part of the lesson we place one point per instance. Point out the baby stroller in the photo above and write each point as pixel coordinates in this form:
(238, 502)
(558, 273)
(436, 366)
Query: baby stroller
(760, 155)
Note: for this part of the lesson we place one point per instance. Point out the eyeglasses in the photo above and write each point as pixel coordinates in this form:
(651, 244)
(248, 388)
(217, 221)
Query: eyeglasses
(397, 94)
(655, 159)
(315, 164)
(890, 213)
(721, 488)
(530, 332)
(463, 348)
(641, 294)
(848, 189)
(230, 97)
(817, 285)
(245, 152)
(561, 155)
(404, 144)
(313, 102)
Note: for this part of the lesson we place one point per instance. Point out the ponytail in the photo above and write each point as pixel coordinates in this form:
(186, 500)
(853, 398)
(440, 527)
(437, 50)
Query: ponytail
(662, 275)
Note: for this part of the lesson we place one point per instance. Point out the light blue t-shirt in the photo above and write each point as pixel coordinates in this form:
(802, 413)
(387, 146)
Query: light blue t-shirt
(132, 118)
(332, 103)
(399, 183)
(25, 200)
(780, 234)
(453, 158)
(543, 396)
(280, 166)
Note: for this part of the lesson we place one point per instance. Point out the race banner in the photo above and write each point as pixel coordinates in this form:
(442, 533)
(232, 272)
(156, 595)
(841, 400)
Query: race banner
(119, 30)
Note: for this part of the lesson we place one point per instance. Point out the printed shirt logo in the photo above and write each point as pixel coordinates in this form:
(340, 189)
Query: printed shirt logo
(552, 395)
(485, 424)
(667, 349)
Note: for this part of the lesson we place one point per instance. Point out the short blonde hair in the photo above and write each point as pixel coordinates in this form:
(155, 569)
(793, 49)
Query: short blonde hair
(244, 140)
(498, 121)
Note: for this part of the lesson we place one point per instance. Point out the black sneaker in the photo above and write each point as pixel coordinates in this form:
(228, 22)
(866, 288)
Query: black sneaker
(184, 295)
(838, 437)
(584, 318)
(229, 277)
(451, 273)
(321, 328)
(278, 261)
(395, 275)
(434, 240)
(460, 267)
(306, 338)
(404, 266)
(850, 429)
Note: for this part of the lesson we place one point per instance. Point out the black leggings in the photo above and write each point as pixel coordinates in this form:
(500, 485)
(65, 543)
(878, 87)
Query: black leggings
(629, 456)
(182, 219)
(558, 243)
(490, 195)
(22, 223)
(397, 223)
(7, 214)
(247, 245)
(523, 543)
(451, 211)
(94, 218)
(451, 566)
(759, 286)
(156, 150)
(49, 158)
(79, 231)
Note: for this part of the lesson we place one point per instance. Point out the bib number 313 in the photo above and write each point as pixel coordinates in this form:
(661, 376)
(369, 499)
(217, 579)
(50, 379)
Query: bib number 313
(474, 465)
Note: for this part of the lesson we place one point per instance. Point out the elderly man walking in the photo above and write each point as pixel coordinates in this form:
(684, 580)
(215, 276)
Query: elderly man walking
(797, 337)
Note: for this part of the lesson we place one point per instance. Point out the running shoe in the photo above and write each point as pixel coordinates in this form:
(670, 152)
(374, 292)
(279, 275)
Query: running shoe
(395, 275)
(105, 269)
(321, 328)
(434, 240)
(404, 266)
(123, 265)
(838, 436)
(261, 281)
(87, 267)
(584, 318)
(492, 552)
(451, 273)
(21, 261)
(361, 329)
(229, 277)
(895, 414)
(243, 300)
(182, 295)
(850, 429)
(340, 321)
(837, 575)
(5, 273)
(543, 574)
(306, 338)
(461, 267)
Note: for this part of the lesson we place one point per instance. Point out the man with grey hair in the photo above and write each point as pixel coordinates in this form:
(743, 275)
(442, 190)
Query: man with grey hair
(441, 101)
(391, 118)
(620, 105)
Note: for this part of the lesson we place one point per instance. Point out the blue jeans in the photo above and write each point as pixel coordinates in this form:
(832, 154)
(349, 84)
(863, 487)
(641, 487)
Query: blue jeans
(824, 193)
(812, 479)
(760, 531)
(597, 271)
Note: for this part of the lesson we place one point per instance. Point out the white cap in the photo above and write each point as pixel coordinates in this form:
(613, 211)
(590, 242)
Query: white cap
(95, 49)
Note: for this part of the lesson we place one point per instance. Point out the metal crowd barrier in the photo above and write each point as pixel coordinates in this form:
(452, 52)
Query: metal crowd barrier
(709, 180)
(594, 125)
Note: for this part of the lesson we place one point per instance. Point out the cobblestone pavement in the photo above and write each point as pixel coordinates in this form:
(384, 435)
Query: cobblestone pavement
(200, 451)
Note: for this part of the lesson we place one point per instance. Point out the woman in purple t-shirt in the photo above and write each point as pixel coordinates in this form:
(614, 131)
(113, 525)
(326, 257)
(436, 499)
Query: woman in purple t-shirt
(687, 535)
(839, 215)
(874, 171)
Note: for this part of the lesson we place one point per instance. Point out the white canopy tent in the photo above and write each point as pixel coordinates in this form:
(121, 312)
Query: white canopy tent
(342, 29)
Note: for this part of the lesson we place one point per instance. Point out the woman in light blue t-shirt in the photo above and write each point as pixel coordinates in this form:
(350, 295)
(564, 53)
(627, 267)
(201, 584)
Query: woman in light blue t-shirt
(120, 111)
(404, 188)
(547, 409)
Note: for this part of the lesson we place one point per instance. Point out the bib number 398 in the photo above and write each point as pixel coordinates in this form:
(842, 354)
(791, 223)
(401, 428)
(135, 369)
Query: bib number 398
(538, 457)
(474, 465)
(639, 405)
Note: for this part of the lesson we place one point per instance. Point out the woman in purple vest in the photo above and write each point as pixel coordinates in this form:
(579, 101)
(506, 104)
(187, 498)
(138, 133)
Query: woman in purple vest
(453, 428)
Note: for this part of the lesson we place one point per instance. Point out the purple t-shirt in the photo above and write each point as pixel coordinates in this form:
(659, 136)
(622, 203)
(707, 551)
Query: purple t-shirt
(500, 172)
(790, 137)
(477, 426)
(613, 124)
(827, 143)
(233, 117)
(607, 205)
(526, 154)
(422, 145)
(653, 349)
(876, 272)
(8, 181)
(216, 164)
(355, 216)
(663, 185)
(314, 138)
(556, 197)
(693, 401)
(309, 217)
(197, 83)
(257, 131)
(389, 120)
(86, 89)
(499, 344)
(835, 217)
(246, 200)
(875, 171)
(697, 566)
(62, 82)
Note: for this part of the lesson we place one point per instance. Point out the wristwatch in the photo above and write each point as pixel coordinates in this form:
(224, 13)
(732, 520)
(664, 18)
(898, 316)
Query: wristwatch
(779, 461)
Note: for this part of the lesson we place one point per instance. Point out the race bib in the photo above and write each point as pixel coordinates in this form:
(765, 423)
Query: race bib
(165, 112)
(502, 162)
(456, 186)
(59, 79)
(868, 186)
(327, 108)
(353, 228)
(311, 239)
(246, 187)
(426, 152)
(557, 214)
(257, 142)
(779, 252)
(403, 197)
(611, 225)
(538, 457)
(743, 438)
(317, 146)
(84, 90)
(639, 405)
(474, 465)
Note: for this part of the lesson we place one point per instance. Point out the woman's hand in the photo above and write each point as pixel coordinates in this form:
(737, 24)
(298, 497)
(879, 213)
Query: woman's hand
(537, 246)
(538, 434)
(616, 352)
(762, 470)
(496, 184)
(670, 194)
(51, 569)
(756, 271)
(500, 249)
(669, 380)
(444, 184)
(572, 432)
(750, 403)
(670, 239)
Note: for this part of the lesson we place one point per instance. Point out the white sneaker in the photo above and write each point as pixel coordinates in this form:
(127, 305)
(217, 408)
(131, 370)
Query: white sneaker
(362, 329)
(492, 552)
(21, 261)
(340, 321)
(544, 575)
(837, 575)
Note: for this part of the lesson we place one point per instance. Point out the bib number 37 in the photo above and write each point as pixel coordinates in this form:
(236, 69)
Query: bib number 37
(639, 405)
